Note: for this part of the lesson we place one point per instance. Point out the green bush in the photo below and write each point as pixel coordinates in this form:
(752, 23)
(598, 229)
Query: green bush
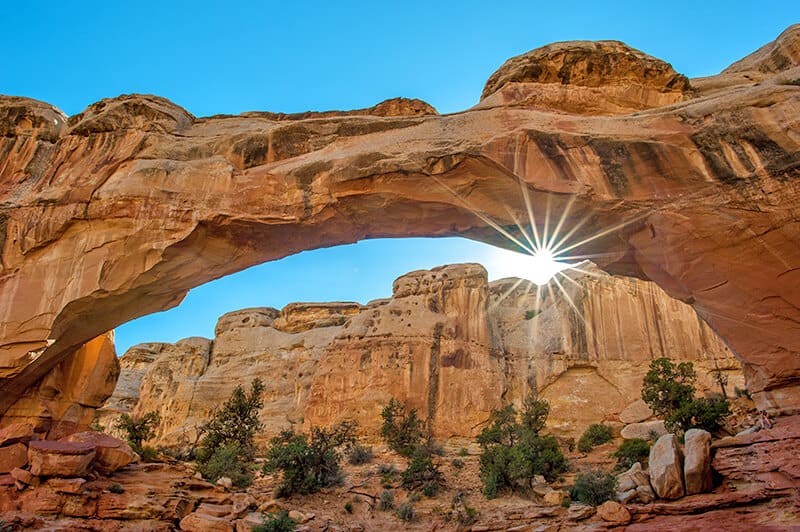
(632, 451)
(148, 454)
(463, 452)
(406, 512)
(138, 429)
(422, 473)
(386, 501)
(359, 454)
(402, 429)
(348, 507)
(226, 462)
(457, 463)
(513, 452)
(596, 434)
(669, 391)
(278, 522)
(309, 463)
(116, 488)
(594, 487)
(530, 314)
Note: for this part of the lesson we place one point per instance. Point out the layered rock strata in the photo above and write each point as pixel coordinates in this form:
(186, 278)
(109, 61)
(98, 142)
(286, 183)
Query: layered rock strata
(447, 342)
(118, 211)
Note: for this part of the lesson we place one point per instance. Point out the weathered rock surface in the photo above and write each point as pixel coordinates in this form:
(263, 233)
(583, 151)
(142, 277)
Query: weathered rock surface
(13, 456)
(614, 512)
(60, 459)
(120, 210)
(643, 429)
(111, 454)
(447, 342)
(16, 433)
(697, 462)
(666, 468)
(634, 477)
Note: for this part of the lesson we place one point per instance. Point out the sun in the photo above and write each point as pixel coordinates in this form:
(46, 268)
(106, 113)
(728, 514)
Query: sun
(538, 268)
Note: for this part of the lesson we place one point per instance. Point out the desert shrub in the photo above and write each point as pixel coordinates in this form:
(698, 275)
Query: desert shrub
(457, 463)
(594, 487)
(463, 452)
(386, 501)
(348, 507)
(422, 473)
(226, 462)
(277, 522)
(308, 463)
(139, 429)
(148, 454)
(513, 452)
(387, 469)
(228, 443)
(742, 392)
(402, 429)
(116, 488)
(668, 389)
(359, 454)
(530, 314)
(596, 434)
(406, 512)
(632, 451)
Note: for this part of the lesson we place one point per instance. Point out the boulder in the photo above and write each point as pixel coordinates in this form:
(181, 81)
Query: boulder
(60, 458)
(25, 477)
(666, 470)
(111, 453)
(614, 512)
(13, 456)
(215, 510)
(645, 494)
(697, 466)
(242, 503)
(553, 497)
(579, 512)
(71, 486)
(16, 433)
(627, 496)
(200, 522)
(643, 430)
(633, 477)
(250, 521)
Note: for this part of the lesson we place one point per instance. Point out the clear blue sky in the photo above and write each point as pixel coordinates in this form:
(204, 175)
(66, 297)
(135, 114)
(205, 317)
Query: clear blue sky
(230, 57)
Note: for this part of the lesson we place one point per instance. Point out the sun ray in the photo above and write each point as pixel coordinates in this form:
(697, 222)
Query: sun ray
(572, 304)
(570, 279)
(484, 217)
(521, 229)
(506, 294)
(546, 221)
(562, 218)
(526, 196)
(604, 233)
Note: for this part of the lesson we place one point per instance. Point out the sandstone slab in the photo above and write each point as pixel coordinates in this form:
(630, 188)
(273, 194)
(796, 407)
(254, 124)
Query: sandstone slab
(13, 456)
(111, 453)
(636, 412)
(200, 522)
(24, 476)
(60, 459)
(697, 464)
(614, 512)
(643, 430)
(634, 477)
(666, 468)
(16, 433)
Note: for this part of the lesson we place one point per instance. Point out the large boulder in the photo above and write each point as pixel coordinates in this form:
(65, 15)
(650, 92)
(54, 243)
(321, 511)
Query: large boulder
(614, 512)
(60, 458)
(697, 467)
(13, 456)
(643, 430)
(666, 470)
(111, 453)
(633, 478)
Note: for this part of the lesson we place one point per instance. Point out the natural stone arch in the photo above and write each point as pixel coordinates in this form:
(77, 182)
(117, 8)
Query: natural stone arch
(118, 211)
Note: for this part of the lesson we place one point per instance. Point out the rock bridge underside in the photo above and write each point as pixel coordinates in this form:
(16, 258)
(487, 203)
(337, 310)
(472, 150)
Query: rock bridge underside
(118, 211)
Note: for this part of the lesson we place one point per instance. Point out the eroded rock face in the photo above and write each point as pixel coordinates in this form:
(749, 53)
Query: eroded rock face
(120, 210)
(697, 465)
(666, 467)
(447, 342)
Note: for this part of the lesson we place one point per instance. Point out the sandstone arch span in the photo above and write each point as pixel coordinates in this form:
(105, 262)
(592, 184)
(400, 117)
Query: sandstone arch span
(118, 211)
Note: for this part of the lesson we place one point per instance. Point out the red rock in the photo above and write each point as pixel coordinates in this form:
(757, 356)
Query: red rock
(60, 459)
(111, 453)
(199, 522)
(16, 433)
(697, 464)
(214, 510)
(25, 477)
(72, 486)
(13, 456)
(614, 512)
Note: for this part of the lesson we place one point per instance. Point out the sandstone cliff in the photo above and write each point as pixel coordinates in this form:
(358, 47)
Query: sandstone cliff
(447, 342)
(118, 211)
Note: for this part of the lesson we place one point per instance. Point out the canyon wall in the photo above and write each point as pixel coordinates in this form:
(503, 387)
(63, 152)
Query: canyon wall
(447, 342)
(118, 211)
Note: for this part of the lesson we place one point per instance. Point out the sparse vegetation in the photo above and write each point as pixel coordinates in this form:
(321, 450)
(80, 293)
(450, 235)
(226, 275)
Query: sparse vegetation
(668, 389)
(139, 429)
(277, 522)
(596, 434)
(463, 452)
(594, 487)
(309, 463)
(386, 501)
(228, 444)
(117, 488)
(632, 451)
(406, 512)
(348, 507)
(402, 429)
(530, 314)
(422, 473)
(359, 454)
(457, 463)
(513, 452)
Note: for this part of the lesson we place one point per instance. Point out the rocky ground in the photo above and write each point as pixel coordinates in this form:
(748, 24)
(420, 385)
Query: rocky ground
(757, 475)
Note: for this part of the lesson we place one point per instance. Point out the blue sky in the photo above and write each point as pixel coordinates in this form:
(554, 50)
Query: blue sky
(231, 57)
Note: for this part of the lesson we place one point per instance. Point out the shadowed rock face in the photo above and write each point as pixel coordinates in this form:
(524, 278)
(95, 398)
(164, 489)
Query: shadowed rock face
(119, 211)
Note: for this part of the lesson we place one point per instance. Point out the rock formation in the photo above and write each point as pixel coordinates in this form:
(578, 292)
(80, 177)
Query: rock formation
(447, 342)
(118, 211)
